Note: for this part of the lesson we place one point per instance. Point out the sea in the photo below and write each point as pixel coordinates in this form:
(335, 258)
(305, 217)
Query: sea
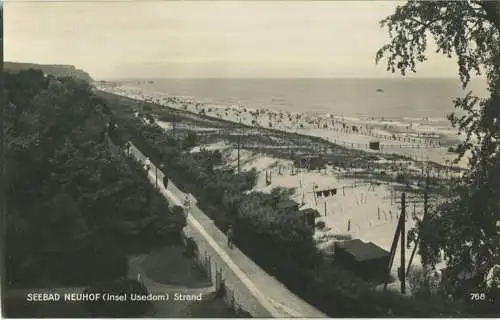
(398, 99)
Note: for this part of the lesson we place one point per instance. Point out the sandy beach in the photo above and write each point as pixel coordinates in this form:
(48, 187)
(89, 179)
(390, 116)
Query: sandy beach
(361, 209)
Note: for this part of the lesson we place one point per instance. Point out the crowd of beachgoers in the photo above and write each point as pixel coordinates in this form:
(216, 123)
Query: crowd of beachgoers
(413, 139)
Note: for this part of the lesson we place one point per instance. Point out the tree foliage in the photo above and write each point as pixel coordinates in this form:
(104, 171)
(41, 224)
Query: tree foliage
(75, 205)
(464, 228)
(189, 141)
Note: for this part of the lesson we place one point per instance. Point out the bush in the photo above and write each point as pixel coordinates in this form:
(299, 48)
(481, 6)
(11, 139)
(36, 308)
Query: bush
(191, 248)
(60, 161)
(452, 149)
(178, 210)
(320, 225)
(190, 141)
(423, 283)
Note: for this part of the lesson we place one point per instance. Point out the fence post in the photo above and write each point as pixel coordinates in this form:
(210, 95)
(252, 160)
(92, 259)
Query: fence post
(233, 300)
(403, 239)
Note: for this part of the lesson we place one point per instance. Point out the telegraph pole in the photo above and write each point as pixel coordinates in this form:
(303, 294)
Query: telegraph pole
(399, 236)
(402, 219)
(426, 193)
(174, 123)
(417, 241)
(156, 177)
(239, 142)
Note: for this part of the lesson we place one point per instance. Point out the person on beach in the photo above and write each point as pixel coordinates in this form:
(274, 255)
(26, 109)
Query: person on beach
(230, 234)
(128, 146)
(165, 182)
(187, 204)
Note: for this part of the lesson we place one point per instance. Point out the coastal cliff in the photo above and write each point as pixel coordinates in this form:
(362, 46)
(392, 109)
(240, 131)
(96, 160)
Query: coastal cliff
(60, 70)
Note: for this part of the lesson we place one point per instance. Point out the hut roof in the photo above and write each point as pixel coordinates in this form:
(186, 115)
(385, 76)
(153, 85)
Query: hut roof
(362, 251)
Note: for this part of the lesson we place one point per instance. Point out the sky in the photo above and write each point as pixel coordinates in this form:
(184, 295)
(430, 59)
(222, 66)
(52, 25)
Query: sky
(186, 39)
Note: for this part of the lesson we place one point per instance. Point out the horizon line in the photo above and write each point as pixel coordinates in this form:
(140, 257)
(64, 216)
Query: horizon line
(393, 76)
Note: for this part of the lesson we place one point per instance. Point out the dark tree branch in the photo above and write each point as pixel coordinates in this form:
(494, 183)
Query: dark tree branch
(470, 30)
(492, 9)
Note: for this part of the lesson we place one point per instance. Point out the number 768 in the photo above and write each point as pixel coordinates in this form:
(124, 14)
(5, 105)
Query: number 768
(476, 296)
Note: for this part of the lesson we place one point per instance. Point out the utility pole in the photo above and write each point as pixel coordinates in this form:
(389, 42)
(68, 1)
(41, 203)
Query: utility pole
(392, 253)
(426, 193)
(399, 236)
(260, 135)
(174, 123)
(239, 142)
(417, 241)
(156, 177)
(402, 219)
(355, 177)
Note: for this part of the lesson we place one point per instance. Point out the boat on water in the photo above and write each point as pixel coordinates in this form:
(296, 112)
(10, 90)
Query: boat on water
(380, 90)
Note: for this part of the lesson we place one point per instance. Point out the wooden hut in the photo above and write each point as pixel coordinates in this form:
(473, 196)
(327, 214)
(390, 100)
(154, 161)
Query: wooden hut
(374, 145)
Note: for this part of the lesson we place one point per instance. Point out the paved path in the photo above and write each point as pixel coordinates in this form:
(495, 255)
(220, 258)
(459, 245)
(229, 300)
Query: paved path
(261, 294)
(162, 309)
(134, 266)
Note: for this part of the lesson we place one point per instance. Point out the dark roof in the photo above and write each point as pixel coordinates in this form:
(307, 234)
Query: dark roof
(362, 251)
(305, 211)
(285, 204)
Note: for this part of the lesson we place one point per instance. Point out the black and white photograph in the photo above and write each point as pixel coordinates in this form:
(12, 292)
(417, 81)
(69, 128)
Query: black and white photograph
(250, 159)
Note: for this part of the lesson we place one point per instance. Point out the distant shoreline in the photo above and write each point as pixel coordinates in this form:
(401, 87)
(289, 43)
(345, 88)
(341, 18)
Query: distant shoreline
(402, 99)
